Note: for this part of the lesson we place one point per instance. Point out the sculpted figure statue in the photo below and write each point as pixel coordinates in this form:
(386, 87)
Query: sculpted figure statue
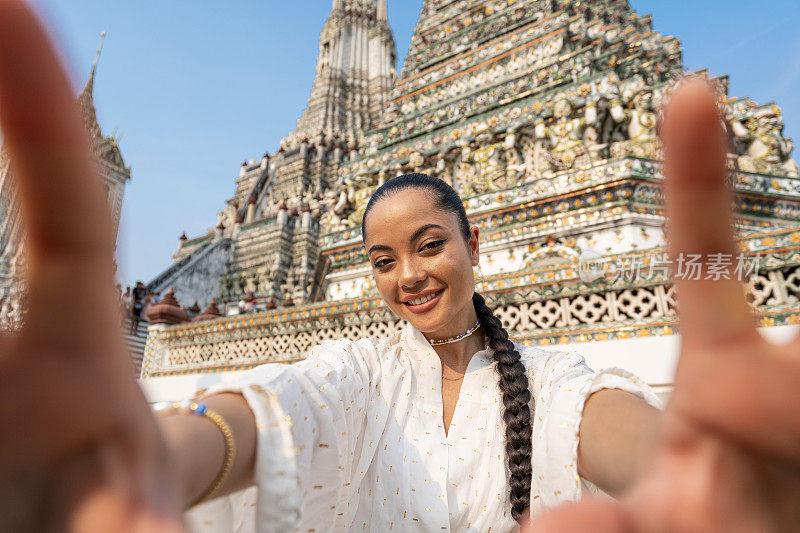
(513, 162)
(536, 158)
(567, 135)
(362, 189)
(465, 172)
(489, 164)
(641, 120)
(768, 151)
(337, 205)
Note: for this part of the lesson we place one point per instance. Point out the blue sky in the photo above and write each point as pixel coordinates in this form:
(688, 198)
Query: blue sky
(196, 87)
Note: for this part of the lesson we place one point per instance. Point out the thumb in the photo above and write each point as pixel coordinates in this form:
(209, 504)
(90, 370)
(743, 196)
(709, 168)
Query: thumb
(106, 510)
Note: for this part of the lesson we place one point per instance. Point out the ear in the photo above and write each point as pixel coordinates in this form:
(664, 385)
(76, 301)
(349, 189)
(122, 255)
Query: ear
(474, 245)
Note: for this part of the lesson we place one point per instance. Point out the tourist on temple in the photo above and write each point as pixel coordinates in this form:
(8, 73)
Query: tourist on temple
(127, 302)
(149, 301)
(138, 295)
(445, 425)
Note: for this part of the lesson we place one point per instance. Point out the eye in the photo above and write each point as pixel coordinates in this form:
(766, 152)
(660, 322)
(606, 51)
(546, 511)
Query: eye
(381, 263)
(433, 245)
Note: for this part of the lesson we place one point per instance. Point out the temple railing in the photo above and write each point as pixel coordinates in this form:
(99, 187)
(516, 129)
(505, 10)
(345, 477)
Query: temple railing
(613, 297)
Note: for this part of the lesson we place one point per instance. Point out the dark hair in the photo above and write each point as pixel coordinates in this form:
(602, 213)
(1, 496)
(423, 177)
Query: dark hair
(513, 379)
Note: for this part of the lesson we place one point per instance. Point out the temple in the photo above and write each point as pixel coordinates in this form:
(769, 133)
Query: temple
(266, 240)
(542, 114)
(113, 173)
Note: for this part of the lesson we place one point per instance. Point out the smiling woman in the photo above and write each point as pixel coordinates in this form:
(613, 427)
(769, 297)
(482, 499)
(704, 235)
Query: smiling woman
(429, 272)
(431, 428)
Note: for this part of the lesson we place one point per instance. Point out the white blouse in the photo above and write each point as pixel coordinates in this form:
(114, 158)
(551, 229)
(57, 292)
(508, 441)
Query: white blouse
(352, 439)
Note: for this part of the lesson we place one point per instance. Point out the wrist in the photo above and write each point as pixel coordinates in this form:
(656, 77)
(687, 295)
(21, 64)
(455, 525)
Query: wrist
(196, 452)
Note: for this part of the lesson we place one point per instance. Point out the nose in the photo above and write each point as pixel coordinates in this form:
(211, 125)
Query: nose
(411, 274)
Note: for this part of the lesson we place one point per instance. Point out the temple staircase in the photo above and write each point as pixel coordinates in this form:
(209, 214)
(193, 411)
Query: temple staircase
(134, 342)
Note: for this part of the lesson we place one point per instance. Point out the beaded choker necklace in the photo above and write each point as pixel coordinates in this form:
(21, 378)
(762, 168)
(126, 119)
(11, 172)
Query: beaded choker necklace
(456, 338)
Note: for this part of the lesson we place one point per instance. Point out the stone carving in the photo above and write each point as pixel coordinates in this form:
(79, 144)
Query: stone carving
(362, 189)
(766, 151)
(337, 205)
(465, 172)
(515, 167)
(568, 136)
(487, 167)
(552, 252)
(536, 159)
(640, 120)
(345, 209)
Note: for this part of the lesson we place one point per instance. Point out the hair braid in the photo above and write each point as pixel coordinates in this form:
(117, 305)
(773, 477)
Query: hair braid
(516, 397)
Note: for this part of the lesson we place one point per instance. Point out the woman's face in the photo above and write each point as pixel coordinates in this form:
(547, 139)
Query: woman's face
(421, 263)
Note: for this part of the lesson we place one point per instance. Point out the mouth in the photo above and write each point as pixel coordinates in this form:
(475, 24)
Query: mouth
(421, 304)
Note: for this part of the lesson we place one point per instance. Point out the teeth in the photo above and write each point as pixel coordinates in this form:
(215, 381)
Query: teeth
(424, 299)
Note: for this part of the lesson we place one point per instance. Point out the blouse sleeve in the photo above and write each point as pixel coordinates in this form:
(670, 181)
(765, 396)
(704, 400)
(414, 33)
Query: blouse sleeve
(310, 418)
(560, 383)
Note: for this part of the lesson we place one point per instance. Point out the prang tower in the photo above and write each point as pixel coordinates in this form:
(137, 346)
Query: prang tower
(266, 239)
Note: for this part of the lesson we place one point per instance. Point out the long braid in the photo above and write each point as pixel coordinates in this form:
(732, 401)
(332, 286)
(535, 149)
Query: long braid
(517, 413)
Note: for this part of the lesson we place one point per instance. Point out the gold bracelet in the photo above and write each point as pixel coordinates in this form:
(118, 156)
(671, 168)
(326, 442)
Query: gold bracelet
(230, 454)
(201, 409)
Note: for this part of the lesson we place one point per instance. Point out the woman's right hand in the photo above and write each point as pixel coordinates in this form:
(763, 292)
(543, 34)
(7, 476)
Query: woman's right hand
(80, 450)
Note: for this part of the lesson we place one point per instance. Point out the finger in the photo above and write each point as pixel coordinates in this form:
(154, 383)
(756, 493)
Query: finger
(590, 515)
(69, 242)
(699, 217)
(751, 404)
(104, 510)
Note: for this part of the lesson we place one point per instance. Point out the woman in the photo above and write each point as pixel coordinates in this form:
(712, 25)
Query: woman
(81, 451)
(431, 428)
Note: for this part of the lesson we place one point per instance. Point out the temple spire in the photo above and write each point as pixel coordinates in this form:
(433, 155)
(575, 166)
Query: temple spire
(89, 87)
(354, 76)
(86, 98)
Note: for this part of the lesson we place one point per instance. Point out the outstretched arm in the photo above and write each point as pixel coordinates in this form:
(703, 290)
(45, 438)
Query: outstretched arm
(196, 447)
(618, 435)
(83, 452)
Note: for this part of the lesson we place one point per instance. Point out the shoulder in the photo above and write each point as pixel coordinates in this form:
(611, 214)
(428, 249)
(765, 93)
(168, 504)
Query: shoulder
(545, 366)
(539, 359)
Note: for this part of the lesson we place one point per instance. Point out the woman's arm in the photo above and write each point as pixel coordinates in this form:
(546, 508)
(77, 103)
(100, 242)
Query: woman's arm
(618, 434)
(320, 400)
(196, 447)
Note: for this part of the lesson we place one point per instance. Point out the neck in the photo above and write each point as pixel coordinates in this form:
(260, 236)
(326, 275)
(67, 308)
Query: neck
(457, 355)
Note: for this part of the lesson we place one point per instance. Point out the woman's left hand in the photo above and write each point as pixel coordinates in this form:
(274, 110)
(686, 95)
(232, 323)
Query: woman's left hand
(728, 459)
(80, 450)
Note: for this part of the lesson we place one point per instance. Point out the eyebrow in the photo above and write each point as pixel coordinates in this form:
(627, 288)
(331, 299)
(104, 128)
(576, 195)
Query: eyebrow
(414, 236)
